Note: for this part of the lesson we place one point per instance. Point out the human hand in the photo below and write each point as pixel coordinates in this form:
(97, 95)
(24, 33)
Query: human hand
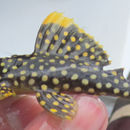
(24, 113)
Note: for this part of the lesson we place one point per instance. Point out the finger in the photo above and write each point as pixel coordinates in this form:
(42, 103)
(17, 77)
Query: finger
(91, 115)
(17, 112)
(25, 110)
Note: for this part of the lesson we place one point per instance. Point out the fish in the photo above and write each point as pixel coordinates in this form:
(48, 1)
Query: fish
(65, 60)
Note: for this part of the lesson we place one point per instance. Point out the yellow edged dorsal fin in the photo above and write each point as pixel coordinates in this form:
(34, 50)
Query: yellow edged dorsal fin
(60, 35)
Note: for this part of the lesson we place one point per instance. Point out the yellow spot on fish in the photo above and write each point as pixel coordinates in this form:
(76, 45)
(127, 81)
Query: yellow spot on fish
(37, 46)
(42, 103)
(62, 62)
(73, 65)
(4, 70)
(116, 81)
(3, 84)
(99, 85)
(63, 41)
(55, 81)
(97, 63)
(53, 68)
(23, 72)
(22, 78)
(55, 103)
(41, 60)
(56, 37)
(84, 69)
(62, 94)
(100, 58)
(126, 85)
(126, 93)
(122, 77)
(64, 72)
(78, 47)
(59, 98)
(66, 86)
(64, 110)
(100, 46)
(73, 39)
(41, 67)
(41, 52)
(2, 64)
(77, 89)
(92, 49)
(14, 67)
(31, 81)
(10, 60)
(76, 57)
(97, 42)
(47, 53)
(104, 75)
(57, 57)
(44, 87)
(33, 58)
(86, 63)
(89, 36)
(25, 63)
(40, 35)
(38, 95)
(47, 41)
(60, 51)
(114, 73)
(47, 32)
(66, 106)
(52, 60)
(44, 78)
(16, 83)
(95, 68)
(108, 85)
(49, 96)
(81, 39)
(93, 76)
(34, 74)
(91, 90)
(68, 117)
(74, 77)
(54, 93)
(53, 110)
(85, 81)
(65, 33)
(68, 48)
(20, 59)
(32, 66)
(92, 57)
(87, 45)
(85, 54)
(51, 46)
(116, 90)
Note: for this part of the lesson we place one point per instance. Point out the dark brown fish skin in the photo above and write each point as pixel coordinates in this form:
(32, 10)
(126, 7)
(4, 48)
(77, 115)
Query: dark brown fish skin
(65, 59)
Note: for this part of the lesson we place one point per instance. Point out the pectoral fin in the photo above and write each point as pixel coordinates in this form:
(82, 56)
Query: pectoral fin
(5, 90)
(59, 104)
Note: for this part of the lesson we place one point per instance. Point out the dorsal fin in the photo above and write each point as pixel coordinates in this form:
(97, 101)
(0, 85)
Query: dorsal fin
(60, 35)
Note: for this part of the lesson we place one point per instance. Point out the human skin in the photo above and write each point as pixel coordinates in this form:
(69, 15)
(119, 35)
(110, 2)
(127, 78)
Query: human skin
(24, 113)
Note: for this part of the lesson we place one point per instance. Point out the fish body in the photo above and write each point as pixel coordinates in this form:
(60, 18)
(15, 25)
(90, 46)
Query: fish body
(65, 59)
